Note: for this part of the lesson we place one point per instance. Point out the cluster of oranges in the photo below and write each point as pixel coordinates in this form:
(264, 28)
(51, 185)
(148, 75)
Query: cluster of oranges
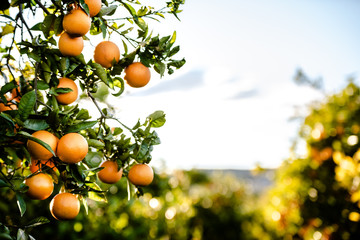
(73, 147)
(70, 148)
(76, 24)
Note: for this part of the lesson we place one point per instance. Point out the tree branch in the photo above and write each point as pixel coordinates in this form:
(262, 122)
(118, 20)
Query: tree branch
(42, 6)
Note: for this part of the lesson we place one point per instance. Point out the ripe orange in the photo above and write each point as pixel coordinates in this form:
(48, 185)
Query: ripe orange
(70, 97)
(137, 75)
(72, 148)
(64, 206)
(76, 23)
(110, 173)
(36, 165)
(69, 45)
(141, 174)
(94, 7)
(105, 53)
(40, 185)
(7, 107)
(39, 152)
(15, 95)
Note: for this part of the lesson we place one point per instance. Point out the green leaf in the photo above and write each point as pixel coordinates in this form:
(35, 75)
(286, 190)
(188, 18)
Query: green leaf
(177, 63)
(37, 222)
(157, 119)
(160, 68)
(83, 114)
(27, 104)
(96, 143)
(125, 47)
(75, 172)
(7, 87)
(36, 27)
(141, 23)
(46, 72)
(21, 204)
(130, 9)
(96, 195)
(34, 56)
(80, 126)
(30, 137)
(173, 51)
(84, 202)
(107, 11)
(36, 124)
(63, 90)
(117, 131)
(7, 16)
(21, 235)
(100, 72)
(80, 58)
(46, 24)
(58, 27)
(7, 29)
(3, 183)
(122, 87)
(93, 159)
(173, 38)
(41, 85)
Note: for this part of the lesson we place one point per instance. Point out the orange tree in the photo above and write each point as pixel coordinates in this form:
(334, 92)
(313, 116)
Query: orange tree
(317, 196)
(43, 69)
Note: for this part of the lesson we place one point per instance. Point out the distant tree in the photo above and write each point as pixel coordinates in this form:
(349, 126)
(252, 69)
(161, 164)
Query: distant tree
(317, 197)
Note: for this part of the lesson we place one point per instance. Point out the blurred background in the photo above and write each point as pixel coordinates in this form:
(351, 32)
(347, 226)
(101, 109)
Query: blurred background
(262, 132)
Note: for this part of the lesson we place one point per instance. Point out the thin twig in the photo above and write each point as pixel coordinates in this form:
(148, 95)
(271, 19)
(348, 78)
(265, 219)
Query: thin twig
(42, 6)
(11, 46)
(24, 22)
(35, 83)
(103, 115)
(95, 102)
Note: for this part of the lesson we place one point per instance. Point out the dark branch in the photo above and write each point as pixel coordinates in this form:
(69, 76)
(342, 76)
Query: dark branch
(42, 6)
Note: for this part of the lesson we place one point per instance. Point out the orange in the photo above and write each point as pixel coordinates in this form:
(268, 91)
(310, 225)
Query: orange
(105, 53)
(70, 97)
(40, 185)
(72, 148)
(64, 206)
(70, 46)
(110, 173)
(141, 174)
(39, 152)
(76, 23)
(94, 7)
(7, 107)
(36, 165)
(137, 75)
(15, 95)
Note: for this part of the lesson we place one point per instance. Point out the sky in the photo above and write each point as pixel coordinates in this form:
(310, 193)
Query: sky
(230, 105)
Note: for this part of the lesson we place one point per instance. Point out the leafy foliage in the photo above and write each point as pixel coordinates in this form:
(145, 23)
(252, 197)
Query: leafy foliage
(31, 65)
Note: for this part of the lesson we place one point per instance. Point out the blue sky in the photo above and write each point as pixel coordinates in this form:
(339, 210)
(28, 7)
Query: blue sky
(229, 107)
